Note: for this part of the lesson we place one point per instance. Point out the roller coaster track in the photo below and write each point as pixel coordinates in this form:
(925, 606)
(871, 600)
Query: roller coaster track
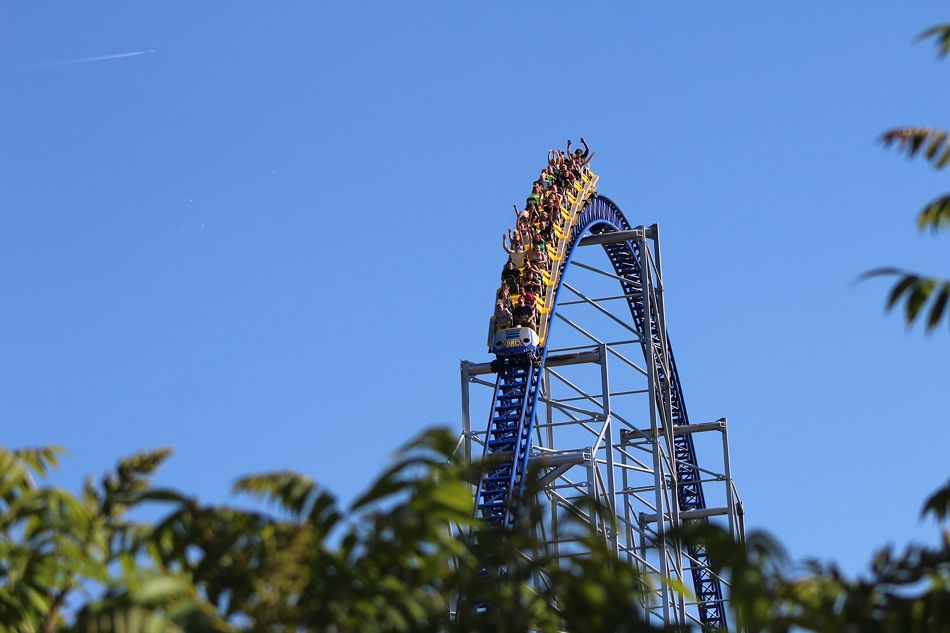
(508, 438)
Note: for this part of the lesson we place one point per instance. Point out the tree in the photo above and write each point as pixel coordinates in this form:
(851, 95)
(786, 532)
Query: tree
(388, 562)
(385, 563)
(921, 293)
(58, 550)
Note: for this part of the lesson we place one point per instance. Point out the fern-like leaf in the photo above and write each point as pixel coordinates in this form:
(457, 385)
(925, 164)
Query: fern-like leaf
(920, 292)
(935, 142)
(938, 504)
(939, 306)
(941, 36)
(290, 490)
(41, 459)
(123, 487)
(295, 493)
(916, 292)
(935, 215)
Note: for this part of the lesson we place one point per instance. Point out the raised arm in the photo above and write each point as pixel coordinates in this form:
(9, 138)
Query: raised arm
(586, 148)
(504, 245)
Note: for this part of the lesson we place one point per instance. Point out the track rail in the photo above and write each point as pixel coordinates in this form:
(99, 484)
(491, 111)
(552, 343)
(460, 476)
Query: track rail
(508, 440)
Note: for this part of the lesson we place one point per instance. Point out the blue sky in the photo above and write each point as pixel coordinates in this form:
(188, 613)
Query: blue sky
(268, 239)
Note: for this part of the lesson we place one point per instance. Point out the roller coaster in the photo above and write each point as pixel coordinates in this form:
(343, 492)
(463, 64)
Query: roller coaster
(624, 440)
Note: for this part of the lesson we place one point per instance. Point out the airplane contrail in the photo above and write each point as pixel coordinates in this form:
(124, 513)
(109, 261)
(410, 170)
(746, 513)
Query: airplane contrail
(97, 58)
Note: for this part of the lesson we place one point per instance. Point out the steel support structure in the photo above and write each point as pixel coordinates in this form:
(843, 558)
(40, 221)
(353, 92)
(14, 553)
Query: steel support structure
(606, 429)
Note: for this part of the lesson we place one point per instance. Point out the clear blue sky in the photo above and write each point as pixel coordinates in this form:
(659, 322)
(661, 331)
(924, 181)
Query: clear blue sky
(268, 242)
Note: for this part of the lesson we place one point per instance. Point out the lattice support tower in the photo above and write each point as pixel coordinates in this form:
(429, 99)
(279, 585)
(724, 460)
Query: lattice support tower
(610, 426)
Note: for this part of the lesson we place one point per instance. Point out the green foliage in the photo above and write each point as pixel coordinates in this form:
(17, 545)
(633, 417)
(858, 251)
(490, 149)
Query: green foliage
(56, 547)
(911, 140)
(754, 569)
(923, 294)
(935, 215)
(906, 591)
(389, 562)
(941, 36)
(938, 504)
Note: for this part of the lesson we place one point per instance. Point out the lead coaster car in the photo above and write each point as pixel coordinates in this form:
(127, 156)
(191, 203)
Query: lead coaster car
(513, 341)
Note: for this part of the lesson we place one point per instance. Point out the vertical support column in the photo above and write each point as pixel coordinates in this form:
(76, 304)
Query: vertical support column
(666, 401)
(466, 411)
(659, 480)
(549, 439)
(740, 519)
(590, 462)
(727, 472)
(648, 594)
(629, 542)
(625, 483)
(588, 505)
(549, 409)
(613, 539)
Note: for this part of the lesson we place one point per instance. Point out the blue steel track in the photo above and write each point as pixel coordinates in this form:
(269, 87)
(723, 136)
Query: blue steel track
(508, 440)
